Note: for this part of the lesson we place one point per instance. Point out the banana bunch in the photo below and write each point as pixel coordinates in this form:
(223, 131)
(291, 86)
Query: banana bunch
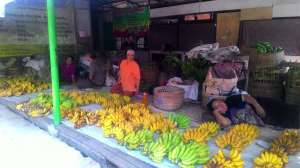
(17, 86)
(170, 139)
(161, 126)
(145, 136)
(289, 141)
(238, 137)
(220, 160)
(132, 141)
(118, 134)
(33, 110)
(93, 97)
(181, 120)
(281, 153)
(91, 118)
(196, 135)
(80, 117)
(268, 160)
(155, 150)
(189, 155)
(136, 139)
(38, 112)
(211, 127)
(202, 133)
(202, 152)
(126, 126)
(116, 117)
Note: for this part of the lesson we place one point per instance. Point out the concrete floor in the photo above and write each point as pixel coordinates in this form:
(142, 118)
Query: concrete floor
(24, 145)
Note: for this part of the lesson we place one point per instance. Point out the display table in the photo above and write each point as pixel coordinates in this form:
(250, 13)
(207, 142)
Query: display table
(90, 141)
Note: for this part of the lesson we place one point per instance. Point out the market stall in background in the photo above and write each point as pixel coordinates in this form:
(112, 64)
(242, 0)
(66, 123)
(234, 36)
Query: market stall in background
(167, 123)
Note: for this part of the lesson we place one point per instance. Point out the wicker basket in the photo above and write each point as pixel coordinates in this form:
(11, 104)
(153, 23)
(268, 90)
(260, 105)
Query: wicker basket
(292, 89)
(168, 97)
(266, 82)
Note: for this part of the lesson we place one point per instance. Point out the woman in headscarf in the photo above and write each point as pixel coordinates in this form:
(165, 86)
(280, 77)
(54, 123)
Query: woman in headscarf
(130, 74)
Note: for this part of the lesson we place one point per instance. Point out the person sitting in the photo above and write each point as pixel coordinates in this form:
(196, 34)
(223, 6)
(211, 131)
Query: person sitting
(237, 108)
(129, 74)
(96, 72)
(68, 69)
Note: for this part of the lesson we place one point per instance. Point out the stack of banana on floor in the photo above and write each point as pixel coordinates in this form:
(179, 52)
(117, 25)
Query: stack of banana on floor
(288, 143)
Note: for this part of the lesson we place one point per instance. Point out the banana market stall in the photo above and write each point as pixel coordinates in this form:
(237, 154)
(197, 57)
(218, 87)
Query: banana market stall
(110, 128)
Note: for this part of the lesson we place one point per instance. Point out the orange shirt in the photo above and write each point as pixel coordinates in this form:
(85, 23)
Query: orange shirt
(130, 75)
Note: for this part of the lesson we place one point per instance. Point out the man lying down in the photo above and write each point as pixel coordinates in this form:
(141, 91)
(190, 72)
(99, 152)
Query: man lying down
(236, 108)
(228, 104)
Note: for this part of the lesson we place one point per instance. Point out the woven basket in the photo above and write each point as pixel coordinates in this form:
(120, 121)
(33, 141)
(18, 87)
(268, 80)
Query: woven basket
(266, 82)
(168, 98)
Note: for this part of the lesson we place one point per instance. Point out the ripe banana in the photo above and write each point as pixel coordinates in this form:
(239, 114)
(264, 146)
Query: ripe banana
(268, 160)
(233, 160)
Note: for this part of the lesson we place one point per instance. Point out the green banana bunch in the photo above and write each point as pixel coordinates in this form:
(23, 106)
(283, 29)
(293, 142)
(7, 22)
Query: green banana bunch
(132, 141)
(181, 120)
(189, 155)
(175, 153)
(145, 136)
(155, 150)
(202, 151)
(136, 139)
(170, 139)
(267, 47)
(118, 134)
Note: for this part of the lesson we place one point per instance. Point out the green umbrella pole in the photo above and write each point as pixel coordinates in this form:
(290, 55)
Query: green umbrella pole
(53, 61)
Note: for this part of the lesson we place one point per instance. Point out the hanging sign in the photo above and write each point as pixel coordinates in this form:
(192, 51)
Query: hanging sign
(130, 19)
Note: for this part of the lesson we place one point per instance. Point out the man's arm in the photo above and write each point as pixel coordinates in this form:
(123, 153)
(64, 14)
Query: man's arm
(257, 107)
(224, 121)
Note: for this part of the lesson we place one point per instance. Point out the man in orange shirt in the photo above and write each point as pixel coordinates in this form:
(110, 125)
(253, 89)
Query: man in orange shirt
(130, 74)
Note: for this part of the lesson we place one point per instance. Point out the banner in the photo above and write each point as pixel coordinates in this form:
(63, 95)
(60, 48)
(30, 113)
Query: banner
(125, 20)
(23, 30)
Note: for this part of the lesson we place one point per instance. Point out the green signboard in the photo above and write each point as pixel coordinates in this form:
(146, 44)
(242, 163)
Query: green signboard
(133, 18)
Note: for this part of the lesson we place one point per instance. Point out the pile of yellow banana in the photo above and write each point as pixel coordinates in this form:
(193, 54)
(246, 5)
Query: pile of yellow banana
(17, 86)
(202, 133)
(220, 160)
(80, 117)
(238, 137)
(33, 110)
(93, 97)
(288, 143)
(268, 160)
(132, 117)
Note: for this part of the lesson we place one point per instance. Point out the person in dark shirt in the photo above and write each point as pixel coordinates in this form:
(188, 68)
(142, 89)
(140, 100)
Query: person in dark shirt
(129, 43)
(233, 110)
